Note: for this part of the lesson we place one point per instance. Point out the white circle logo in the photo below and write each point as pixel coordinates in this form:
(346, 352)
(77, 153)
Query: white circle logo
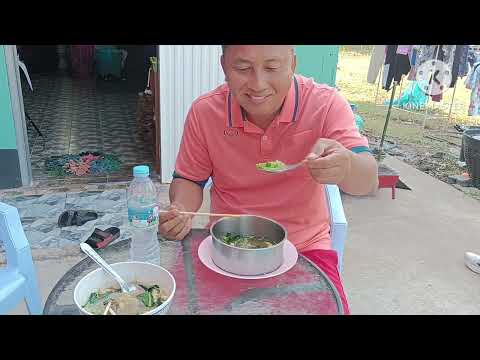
(434, 77)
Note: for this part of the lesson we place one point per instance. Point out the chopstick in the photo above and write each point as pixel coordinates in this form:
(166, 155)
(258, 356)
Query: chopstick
(203, 214)
(107, 308)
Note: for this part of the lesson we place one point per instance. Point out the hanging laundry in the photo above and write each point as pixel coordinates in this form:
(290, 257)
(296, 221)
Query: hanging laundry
(459, 63)
(413, 61)
(419, 55)
(425, 53)
(473, 82)
(404, 49)
(472, 56)
(412, 98)
(446, 53)
(463, 60)
(396, 65)
(376, 61)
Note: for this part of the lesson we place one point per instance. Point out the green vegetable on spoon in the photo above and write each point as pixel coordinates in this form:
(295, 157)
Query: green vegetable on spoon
(271, 165)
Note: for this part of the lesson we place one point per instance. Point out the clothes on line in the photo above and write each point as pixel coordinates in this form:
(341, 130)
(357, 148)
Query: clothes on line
(422, 54)
(446, 53)
(404, 49)
(472, 56)
(463, 60)
(401, 60)
(473, 82)
(376, 63)
(413, 60)
(460, 66)
(396, 65)
(412, 98)
(425, 53)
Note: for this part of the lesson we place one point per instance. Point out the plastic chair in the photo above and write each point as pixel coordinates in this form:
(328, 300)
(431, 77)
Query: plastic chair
(18, 280)
(338, 221)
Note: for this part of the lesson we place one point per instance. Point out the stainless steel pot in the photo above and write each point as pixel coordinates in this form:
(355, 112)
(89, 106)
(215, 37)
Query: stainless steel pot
(248, 261)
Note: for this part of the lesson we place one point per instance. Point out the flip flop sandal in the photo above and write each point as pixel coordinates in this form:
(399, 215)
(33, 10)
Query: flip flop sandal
(101, 238)
(76, 217)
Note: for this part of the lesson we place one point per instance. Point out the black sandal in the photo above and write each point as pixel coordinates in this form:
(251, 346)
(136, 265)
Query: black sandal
(101, 238)
(76, 217)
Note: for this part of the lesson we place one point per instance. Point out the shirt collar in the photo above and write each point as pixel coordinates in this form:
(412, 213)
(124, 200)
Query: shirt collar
(236, 116)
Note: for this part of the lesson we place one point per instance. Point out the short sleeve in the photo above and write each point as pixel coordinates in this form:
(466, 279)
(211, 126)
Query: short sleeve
(193, 160)
(339, 125)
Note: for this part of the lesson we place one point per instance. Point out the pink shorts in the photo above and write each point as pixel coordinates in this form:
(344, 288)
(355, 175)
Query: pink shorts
(327, 260)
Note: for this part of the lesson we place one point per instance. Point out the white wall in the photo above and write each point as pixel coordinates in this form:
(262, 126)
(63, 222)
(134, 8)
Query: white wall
(185, 72)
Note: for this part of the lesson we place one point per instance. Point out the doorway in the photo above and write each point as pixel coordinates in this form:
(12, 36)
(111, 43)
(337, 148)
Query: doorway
(85, 111)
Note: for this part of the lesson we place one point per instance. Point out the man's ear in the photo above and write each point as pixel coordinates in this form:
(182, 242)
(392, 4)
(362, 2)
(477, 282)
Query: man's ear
(294, 63)
(222, 62)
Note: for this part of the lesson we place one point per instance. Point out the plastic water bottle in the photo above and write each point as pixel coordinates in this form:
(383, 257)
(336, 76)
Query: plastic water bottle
(143, 217)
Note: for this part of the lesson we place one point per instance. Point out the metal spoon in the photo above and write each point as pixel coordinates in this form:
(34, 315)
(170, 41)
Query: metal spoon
(284, 169)
(126, 287)
(288, 167)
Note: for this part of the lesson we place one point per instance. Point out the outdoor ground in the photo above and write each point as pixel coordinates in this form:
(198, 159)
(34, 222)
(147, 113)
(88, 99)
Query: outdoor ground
(402, 256)
(406, 138)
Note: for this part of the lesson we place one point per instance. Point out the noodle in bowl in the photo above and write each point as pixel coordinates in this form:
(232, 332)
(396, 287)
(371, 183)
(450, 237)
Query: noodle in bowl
(132, 272)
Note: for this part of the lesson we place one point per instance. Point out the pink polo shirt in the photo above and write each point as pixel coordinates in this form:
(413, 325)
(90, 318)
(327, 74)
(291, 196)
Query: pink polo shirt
(220, 142)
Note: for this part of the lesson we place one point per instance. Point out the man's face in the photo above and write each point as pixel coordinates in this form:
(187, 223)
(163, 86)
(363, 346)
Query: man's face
(259, 76)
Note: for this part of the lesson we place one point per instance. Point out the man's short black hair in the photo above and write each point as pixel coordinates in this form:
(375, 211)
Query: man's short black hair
(224, 47)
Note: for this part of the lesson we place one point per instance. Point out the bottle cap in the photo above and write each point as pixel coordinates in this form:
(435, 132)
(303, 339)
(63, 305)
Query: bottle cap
(141, 171)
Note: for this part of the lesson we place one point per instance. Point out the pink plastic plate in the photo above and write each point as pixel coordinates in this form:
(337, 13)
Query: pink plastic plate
(290, 256)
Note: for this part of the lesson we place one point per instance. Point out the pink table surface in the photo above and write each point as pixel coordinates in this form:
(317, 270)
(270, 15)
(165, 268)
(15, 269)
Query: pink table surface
(303, 290)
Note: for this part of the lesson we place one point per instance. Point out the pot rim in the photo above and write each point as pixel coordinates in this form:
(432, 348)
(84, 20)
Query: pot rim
(244, 249)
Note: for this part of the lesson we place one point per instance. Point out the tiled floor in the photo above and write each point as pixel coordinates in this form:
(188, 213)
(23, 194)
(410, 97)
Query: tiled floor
(39, 214)
(83, 115)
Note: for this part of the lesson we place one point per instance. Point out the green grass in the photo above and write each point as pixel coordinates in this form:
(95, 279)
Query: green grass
(406, 128)
(352, 81)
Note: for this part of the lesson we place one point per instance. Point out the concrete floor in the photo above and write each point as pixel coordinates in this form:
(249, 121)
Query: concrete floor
(402, 256)
(405, 256)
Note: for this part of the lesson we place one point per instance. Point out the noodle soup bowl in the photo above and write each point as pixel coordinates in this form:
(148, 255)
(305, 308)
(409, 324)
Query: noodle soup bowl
(132, 271)
(248, 262)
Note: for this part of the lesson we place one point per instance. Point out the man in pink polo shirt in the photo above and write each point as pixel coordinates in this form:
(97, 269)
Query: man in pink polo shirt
(265, 112)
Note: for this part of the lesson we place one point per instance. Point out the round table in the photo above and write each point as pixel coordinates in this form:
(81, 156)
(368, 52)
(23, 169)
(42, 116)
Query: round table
(303, 290)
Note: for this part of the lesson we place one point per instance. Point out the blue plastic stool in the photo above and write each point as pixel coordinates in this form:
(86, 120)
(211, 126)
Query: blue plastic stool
(18, 280)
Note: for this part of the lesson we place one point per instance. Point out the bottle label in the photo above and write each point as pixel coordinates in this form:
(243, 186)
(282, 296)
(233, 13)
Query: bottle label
(143, 218)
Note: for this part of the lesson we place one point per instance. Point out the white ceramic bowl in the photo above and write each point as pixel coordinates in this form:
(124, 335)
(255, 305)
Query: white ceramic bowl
(130, 271)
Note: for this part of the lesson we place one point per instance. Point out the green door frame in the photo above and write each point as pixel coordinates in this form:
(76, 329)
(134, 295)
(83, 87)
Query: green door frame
(10, 59)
